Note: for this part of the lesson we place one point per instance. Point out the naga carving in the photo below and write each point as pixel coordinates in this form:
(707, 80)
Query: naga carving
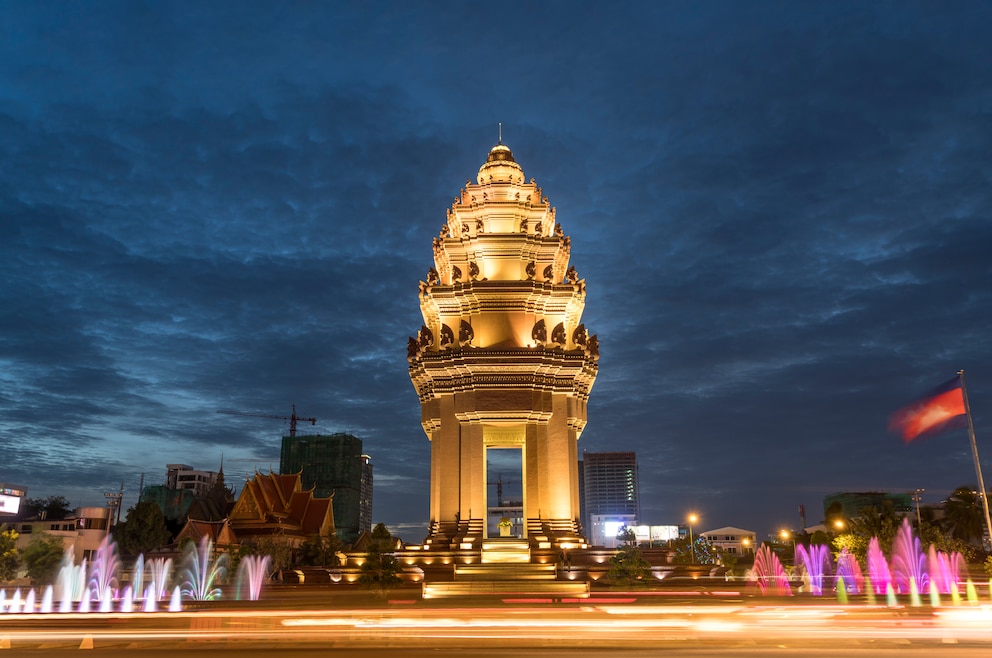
(425, 337)
(456, 273)
(531, 270)
(549, 273)
(473, 270)
(540, 332)
(592, 347)
(572, 276)
(465, 333)
(433, 278)
(447, 336)
(580, 336)
(558, 336)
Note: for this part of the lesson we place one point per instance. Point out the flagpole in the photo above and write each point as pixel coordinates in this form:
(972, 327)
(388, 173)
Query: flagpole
(974, 454)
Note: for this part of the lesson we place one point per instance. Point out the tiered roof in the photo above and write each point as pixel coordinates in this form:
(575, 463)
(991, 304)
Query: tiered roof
(275, 503)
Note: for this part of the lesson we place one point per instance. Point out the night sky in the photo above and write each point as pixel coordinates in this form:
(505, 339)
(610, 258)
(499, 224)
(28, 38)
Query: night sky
(781, 210)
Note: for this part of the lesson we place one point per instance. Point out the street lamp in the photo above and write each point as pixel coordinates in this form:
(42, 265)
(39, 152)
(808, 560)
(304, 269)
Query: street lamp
(916, 495)
(692, 546)
(785, 535)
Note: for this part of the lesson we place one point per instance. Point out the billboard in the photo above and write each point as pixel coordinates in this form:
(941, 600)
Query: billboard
(9, 504)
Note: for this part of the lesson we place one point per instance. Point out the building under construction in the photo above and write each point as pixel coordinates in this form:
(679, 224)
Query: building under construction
(334, 465)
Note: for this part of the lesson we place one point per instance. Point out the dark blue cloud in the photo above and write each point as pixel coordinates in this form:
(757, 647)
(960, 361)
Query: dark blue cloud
(781, 211)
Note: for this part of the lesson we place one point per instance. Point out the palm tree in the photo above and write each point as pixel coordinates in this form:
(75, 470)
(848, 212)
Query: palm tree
(963, 514)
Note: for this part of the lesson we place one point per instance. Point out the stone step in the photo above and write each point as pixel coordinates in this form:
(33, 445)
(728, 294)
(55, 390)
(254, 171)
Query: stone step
(562, 589)
(505, 571)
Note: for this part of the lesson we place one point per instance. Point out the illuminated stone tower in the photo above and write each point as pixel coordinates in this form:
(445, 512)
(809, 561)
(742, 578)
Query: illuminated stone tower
(503, 360)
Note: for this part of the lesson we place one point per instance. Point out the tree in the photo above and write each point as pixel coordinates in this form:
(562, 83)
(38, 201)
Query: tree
(55, 508)
(626, 536)
(279, 551)
(963, 514)
(628, 568)
(880, 522)
(699, 552)
(380, 570)
(10, 558)
(143, 529)
(43, 557)
(319, 551)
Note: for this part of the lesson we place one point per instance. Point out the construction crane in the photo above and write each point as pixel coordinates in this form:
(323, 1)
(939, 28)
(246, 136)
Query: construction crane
(292, 419)
(499, 488)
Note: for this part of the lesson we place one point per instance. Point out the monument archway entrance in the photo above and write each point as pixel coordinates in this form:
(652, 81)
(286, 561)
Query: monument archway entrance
(505, 483)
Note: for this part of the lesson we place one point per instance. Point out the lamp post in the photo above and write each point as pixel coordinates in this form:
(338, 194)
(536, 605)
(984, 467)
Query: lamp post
(692, 546)
(916, 496)
(785, 535)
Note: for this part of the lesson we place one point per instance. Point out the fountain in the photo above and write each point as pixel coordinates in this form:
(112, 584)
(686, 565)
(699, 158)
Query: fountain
(201, 577)
(252, 572)
(909, 563)
(768, 573)
(95, 585)
(910, 572)
(815, 560)
(102, 584)
(878, 569)
(849, 573)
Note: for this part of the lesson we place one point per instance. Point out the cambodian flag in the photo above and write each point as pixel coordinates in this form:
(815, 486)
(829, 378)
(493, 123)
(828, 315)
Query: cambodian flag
(942, 409)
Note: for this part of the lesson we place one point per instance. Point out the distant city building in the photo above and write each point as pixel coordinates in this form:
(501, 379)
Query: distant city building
(334, 465)
(187, 478)
(190, 492)
(609, 495)
(852, 504)
(82, 531)
(731, 540)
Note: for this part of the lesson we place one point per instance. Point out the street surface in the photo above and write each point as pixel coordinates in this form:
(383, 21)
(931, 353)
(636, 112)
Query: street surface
(634, 625)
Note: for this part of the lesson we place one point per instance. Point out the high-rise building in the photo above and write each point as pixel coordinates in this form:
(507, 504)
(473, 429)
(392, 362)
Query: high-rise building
(334, 465)
(609, 494)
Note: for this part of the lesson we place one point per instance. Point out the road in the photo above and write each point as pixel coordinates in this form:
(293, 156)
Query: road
(635, 627)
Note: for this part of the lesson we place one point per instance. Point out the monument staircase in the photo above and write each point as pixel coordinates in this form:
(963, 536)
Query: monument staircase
(505, 569)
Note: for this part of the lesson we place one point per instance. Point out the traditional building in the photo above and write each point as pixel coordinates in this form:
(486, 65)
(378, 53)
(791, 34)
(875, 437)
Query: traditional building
(503, 359)
(277, 507)
(220, 534)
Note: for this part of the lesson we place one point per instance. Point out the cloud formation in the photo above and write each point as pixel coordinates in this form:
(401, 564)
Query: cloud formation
(781, 211)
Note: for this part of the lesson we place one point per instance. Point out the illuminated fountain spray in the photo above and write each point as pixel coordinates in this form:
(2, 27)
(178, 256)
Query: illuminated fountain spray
(878, 569)
(769, 574)
(202, 576)
(908, 564)
(849, 577)
(815, 560)
(252, 573)
(102, 584)
(94, 585)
